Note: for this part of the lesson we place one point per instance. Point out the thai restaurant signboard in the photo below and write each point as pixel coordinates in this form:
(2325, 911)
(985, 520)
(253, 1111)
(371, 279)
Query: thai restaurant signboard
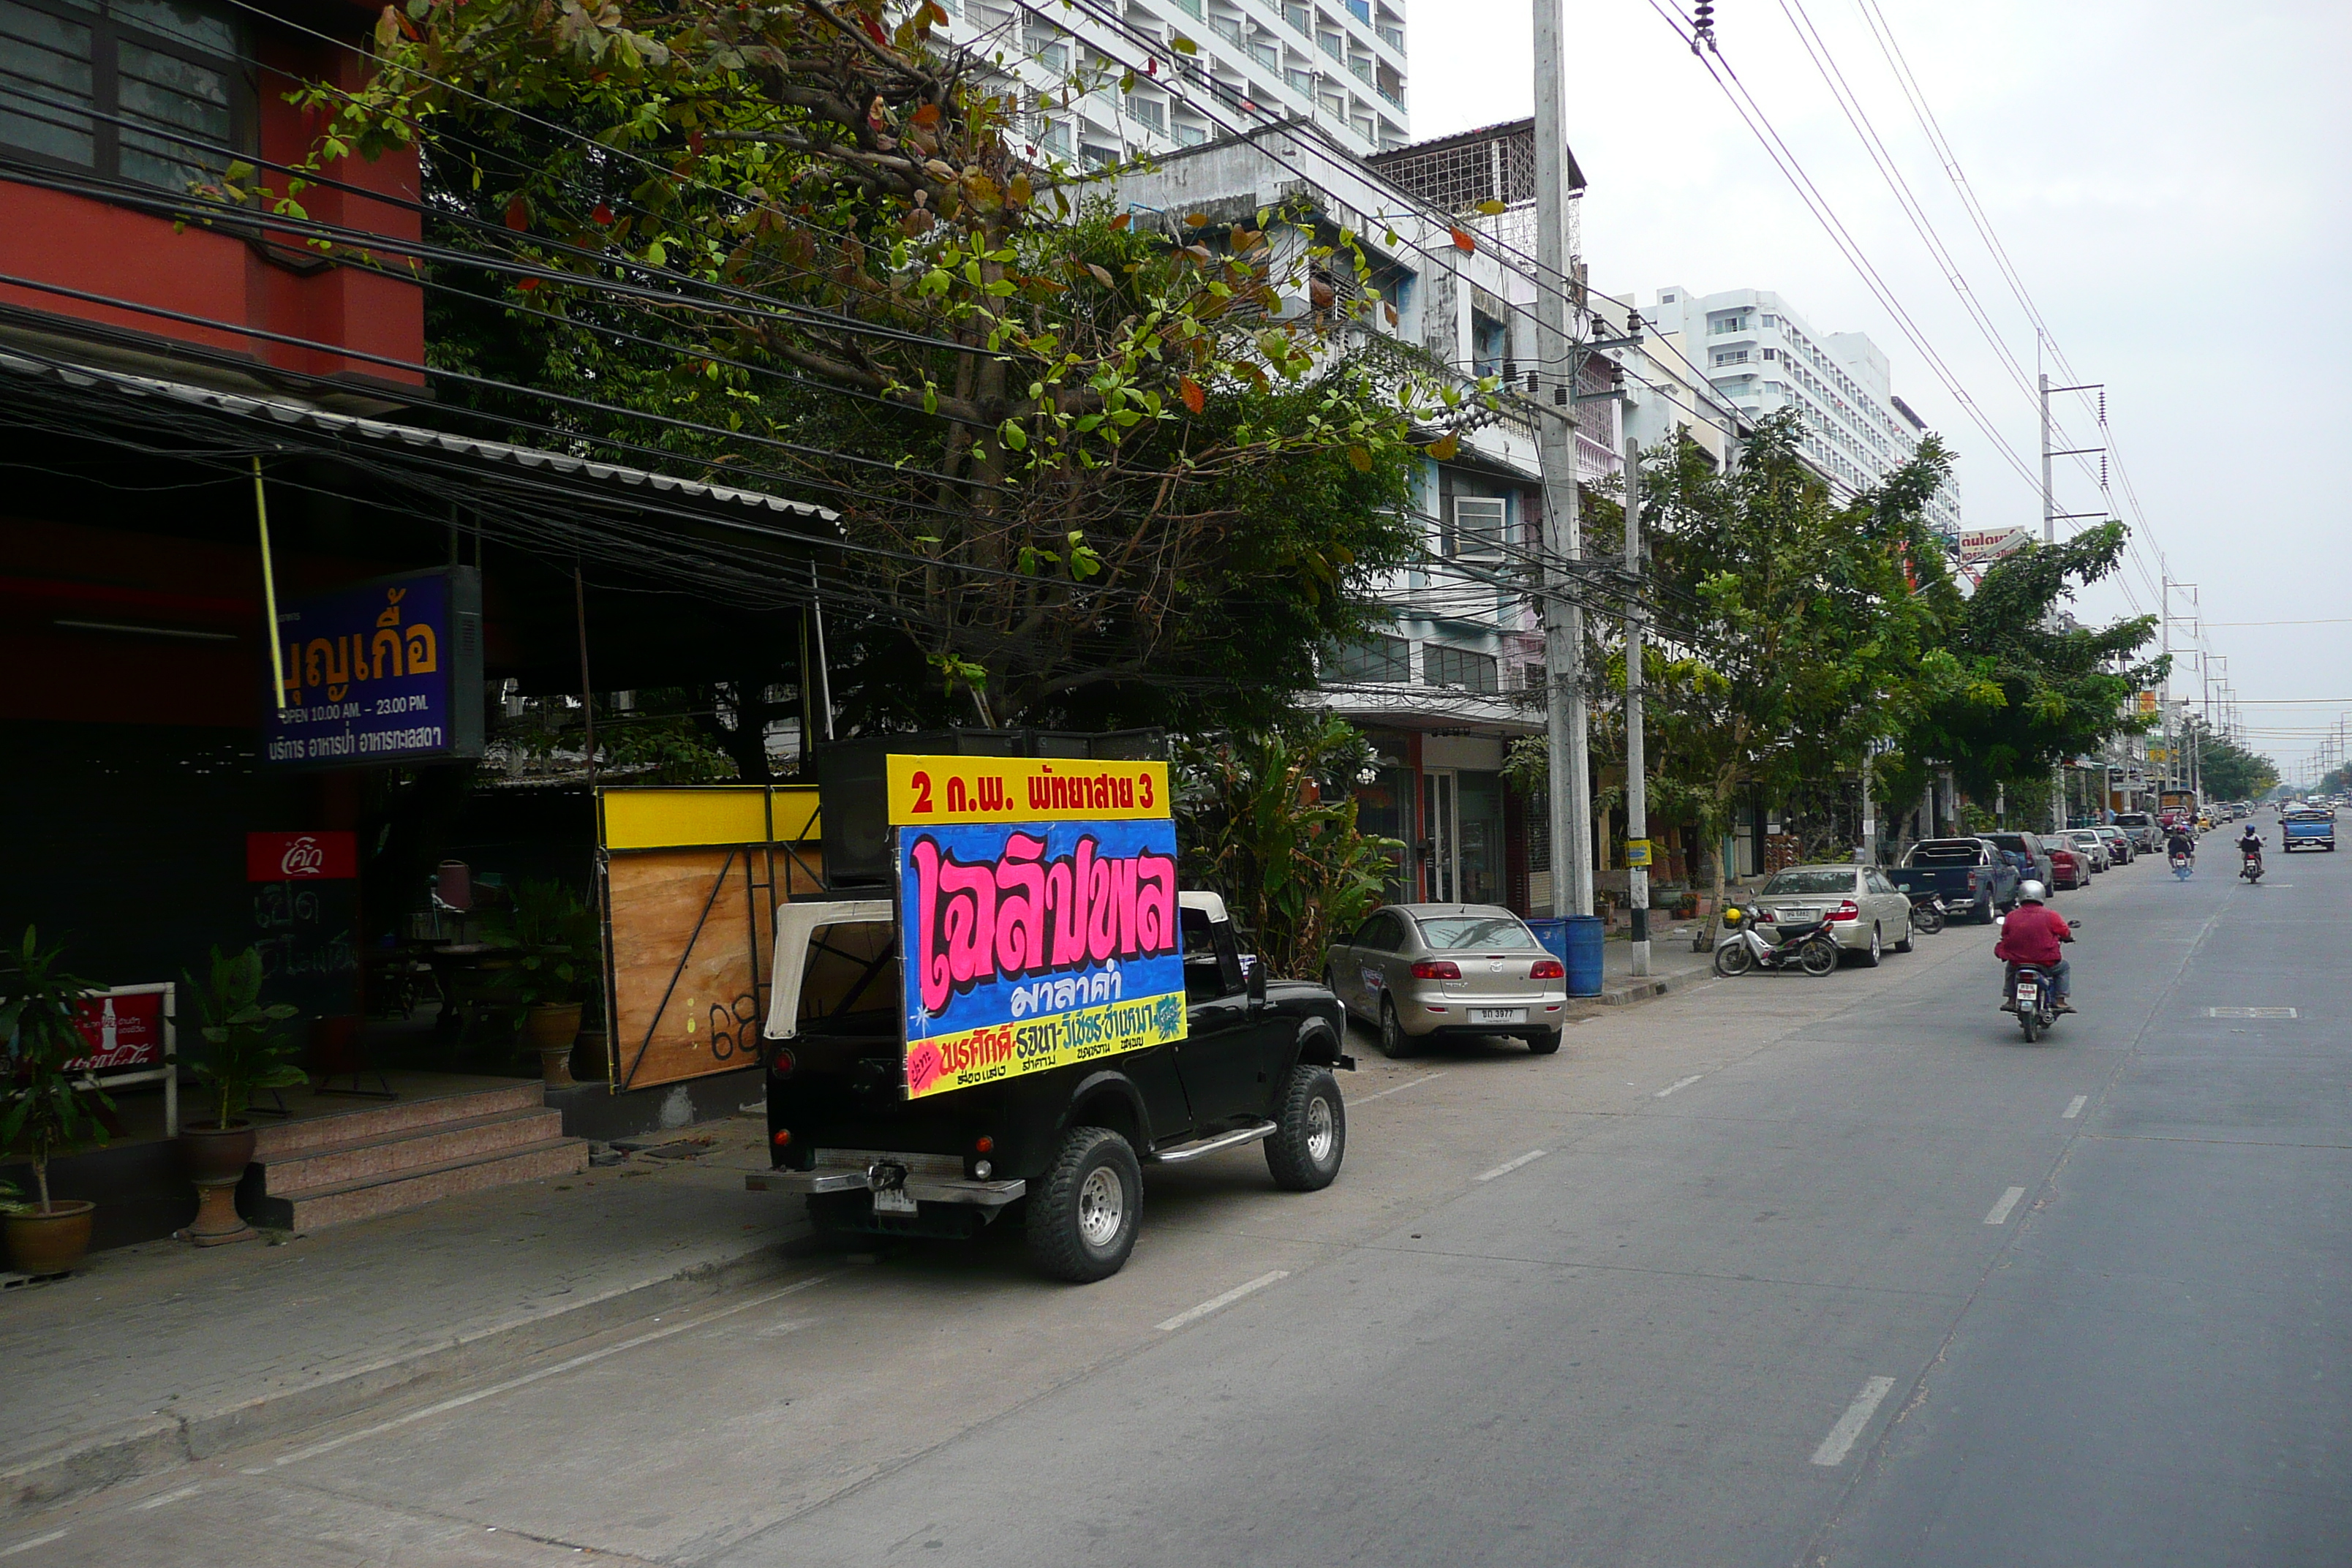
(378, 673)
(1036, 906)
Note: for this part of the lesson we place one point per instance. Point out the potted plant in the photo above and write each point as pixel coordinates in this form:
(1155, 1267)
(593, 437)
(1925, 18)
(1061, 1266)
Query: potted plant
(557, 950)
(245, 1051)
(47, 1105)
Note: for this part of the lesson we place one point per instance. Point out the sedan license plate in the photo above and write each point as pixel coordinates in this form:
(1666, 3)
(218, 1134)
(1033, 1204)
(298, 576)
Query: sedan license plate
(1498, 1014)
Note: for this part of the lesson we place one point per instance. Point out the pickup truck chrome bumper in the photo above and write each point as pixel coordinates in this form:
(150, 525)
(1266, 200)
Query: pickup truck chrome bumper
(921, 1188)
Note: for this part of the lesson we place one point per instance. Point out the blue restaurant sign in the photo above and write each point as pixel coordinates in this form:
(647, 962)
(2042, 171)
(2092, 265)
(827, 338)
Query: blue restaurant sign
(382, 673)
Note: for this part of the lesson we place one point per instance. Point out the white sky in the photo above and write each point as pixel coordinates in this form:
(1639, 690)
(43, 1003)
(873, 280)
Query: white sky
(2168, 180)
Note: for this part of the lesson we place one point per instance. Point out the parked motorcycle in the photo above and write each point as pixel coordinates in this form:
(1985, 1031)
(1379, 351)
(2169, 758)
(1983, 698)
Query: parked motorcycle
(1755, 939)
(1928, 913)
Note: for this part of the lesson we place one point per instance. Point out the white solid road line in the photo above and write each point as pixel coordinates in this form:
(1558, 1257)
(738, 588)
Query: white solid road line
(1398, 1088)
(2000, 1214)
(1679, 1083)
(315, 1449)
(2075, 1106)
(1508, 1166)
(32, 1541)
(1194, 1314)
(1840, 1442)
(180, 1496)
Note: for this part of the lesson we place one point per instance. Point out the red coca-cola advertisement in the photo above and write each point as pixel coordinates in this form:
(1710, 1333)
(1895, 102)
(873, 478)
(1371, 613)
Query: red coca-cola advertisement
(123, 1031)
(302, 857)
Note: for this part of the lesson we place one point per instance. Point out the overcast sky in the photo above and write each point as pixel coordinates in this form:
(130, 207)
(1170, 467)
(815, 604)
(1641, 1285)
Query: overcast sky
(2172, 183)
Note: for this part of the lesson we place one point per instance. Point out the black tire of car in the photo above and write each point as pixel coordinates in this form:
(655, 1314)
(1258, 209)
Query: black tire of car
(1290, 1154)
(1057, 1226)
(1904, 945)
(1394, 1042)
(1733, 960)
(1869, 957)
(1819, 955)
(1544, 1043)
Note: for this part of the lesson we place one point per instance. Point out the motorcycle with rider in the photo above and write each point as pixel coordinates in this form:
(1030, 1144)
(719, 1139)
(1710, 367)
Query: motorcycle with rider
(2038, 981)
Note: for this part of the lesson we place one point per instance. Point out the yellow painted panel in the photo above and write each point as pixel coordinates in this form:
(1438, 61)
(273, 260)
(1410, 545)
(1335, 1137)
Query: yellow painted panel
(795, 814)
(1023, 789)
(676, 818)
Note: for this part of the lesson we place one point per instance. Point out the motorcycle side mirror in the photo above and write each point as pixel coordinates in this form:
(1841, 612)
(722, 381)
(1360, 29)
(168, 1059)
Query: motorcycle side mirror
(1999, 920)
(2074, 925)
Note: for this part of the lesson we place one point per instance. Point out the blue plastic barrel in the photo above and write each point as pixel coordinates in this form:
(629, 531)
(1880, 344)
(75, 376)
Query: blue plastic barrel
(1576, 942)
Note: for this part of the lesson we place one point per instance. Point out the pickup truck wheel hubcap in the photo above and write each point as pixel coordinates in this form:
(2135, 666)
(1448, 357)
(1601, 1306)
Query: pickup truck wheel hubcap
(1321, 1133)
(1102, 1205)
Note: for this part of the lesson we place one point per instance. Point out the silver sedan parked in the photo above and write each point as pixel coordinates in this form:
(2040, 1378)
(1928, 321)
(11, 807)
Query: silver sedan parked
(1415, 970)
(1867, 913)
(2087, 843)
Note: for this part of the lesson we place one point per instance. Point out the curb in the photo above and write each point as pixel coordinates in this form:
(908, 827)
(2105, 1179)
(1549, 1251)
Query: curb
(1631, 991)
(96, 1461)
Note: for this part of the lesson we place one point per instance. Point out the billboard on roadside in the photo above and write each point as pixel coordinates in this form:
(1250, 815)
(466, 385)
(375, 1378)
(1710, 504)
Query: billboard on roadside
(377, 673)
(1982, 546)
(1036, 906)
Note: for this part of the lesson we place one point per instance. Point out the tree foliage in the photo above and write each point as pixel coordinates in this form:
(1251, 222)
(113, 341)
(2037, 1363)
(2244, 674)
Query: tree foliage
(1083, 463)
(2227, 770)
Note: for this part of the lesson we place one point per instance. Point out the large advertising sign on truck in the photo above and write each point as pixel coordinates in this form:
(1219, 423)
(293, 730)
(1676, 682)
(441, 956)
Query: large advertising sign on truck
(1036, 906)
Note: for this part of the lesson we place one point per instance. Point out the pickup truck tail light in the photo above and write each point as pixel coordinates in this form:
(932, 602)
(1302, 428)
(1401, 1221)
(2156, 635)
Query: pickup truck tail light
(1547, 969)
(1437, 969)
(1848, 910)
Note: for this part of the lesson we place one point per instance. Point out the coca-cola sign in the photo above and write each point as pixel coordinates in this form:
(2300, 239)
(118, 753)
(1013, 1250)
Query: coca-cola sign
(123, 1031)
(300, 857)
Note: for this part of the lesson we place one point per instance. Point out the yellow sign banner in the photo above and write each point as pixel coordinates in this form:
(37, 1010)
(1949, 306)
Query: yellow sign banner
(1002, 1051)
(925, 790)
(1637, 852)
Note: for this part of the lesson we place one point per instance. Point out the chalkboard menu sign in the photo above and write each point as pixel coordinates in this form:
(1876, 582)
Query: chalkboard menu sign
(381, 672)
(305, 890)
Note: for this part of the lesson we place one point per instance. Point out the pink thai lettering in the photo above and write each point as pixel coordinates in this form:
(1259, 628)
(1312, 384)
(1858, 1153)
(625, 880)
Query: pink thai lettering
(1020, 906)
(969, 896)
(931, 964)
(1070, 913)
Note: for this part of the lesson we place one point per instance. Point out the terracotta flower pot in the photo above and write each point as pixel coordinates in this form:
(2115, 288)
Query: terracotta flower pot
(213, 1154)
(51, 1242)
(550, 1025)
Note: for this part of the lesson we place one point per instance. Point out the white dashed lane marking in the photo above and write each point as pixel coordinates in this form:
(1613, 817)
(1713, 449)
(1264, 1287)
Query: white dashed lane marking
(1508, 1166)
(1840, 1442)
(2000, 1214)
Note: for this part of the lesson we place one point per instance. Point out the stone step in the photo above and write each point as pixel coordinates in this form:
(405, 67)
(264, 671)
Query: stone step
(367, 1198)
(443, 1143)
(276, 1141)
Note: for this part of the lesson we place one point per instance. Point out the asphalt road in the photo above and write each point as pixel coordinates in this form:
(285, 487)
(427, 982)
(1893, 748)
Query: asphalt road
(1775, 1271)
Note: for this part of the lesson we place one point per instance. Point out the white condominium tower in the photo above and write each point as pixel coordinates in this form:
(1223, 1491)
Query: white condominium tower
(1762, 357)
(1338, 63)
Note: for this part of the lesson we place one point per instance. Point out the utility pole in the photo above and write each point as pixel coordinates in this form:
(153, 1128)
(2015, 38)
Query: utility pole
(1571, 813)
(2050, 516)
(1637, 783)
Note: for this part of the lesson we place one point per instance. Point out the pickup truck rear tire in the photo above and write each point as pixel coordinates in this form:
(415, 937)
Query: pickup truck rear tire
(1310, 1135)
(1082, 1212)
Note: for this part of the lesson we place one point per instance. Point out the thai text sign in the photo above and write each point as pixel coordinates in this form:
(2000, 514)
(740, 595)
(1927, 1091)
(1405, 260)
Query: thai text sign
(1039, 942)
(388, 672)
(122, 1031)
(302, 857)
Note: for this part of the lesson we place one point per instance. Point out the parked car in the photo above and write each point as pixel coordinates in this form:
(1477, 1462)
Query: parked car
(1968, 874)
(2092, 848)
(2146, 833)
(2039, 867)
(2069, 868)
(2121, 850)
(1867, 913)
(1418, 971)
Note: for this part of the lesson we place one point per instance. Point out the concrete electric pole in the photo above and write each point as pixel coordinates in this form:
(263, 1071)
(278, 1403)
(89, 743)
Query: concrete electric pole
(1571, 815)
(1637, 783)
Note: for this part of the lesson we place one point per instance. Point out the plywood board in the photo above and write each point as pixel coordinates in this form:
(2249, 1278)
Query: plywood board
(692, 931)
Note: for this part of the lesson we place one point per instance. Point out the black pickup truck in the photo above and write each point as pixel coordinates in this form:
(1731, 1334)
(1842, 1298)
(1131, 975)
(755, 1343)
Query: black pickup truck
(1968, 874)
(1064, 1147)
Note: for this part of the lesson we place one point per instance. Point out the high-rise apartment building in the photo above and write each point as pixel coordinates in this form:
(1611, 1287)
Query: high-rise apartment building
(1338, 63)
(1762, 357)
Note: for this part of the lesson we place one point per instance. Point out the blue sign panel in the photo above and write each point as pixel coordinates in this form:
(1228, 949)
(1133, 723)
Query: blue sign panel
(382, 672)
(1033, 945)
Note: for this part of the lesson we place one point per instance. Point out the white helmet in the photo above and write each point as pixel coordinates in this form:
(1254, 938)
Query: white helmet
(2031, 892)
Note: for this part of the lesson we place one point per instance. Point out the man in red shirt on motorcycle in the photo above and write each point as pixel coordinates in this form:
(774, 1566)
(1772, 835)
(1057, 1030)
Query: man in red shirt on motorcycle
(2032, 934)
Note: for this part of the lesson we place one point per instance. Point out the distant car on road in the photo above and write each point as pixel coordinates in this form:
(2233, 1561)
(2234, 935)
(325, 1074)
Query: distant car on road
(2039, 867)
(2146, 834)
(1416, 971)
(2069, 866)
(1867, 913)
(1968, 874)
(2092, 847)
(2121, 850)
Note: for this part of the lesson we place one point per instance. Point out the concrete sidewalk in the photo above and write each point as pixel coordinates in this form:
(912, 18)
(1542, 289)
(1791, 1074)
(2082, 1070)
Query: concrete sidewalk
(1672, 965)
(157, 1354)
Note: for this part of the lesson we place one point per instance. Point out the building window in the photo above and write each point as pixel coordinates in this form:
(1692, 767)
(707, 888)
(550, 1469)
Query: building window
(1771, 354)
(1477, 529)
(1443, 665)
(144, 91)
(1375, 659)
(1765, 321)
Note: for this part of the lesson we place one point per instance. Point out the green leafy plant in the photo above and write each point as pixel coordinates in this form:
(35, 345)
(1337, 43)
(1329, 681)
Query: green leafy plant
(554, 937)
(247, 1051)
(1269, 818)
(12, 1199)
(48, 1106)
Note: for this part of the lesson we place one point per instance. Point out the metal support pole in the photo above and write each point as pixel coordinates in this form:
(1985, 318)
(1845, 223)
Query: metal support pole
(1570, 815)
(1637, 783)
(587, 691)
(824, 672)
(268, 587)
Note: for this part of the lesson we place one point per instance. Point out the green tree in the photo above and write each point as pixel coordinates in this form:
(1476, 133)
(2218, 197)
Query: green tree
(2035, 688)
(2228, 770)
(1796, 631)
(1061, 442)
